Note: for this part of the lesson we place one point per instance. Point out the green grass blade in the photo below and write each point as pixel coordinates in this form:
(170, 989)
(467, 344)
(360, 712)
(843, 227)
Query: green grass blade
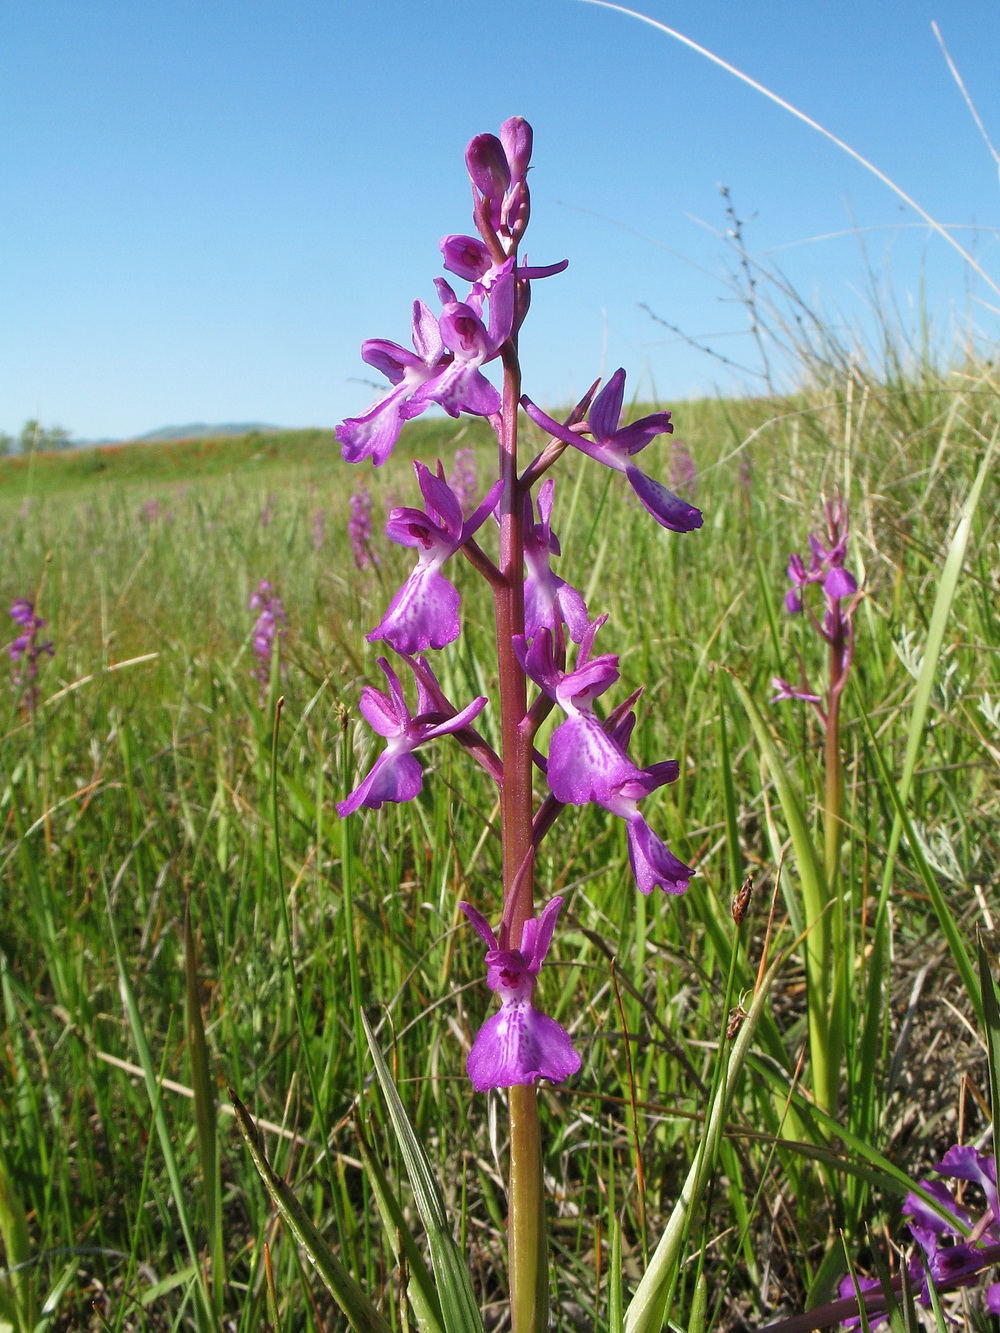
(949, 926)
(950, 575)
(17, 1292)
(458, 1301)
(55, 1294)
(991, 1031)
(646, 1309)
(699, 1306)
(825, 1041)
(420, 1290)
(273, 1313)
(204, 1111)
(616, 1299)
(361, 1313)
(153, 1089)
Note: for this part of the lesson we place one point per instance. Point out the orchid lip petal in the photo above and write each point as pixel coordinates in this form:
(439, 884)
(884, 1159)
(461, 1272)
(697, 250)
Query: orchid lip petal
(669, 510)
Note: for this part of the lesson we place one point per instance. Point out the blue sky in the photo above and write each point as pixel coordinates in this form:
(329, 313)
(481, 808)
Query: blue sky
(208, 204)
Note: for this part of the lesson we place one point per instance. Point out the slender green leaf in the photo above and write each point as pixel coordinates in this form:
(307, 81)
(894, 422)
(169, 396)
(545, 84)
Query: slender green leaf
(991, 1030)
(616, 1297)
(203, 1085)
(362, 1314)
(153, 1091)
(646, 1309)
(458, 1301)
(53, 1298)
(825, 1040)
(420, 1290)
(699, 1306)
(947, 587)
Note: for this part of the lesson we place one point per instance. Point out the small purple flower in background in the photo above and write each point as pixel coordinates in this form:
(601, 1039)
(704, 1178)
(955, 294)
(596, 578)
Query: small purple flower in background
(267, 509)
(464, 480)
(746, 471)
(683, 473)
(268, 632)
(396, 775)
(150, 511)
(615, 445)
(840, 598)
(318, 530)
(519, 1044)
(25, 508)
(948, 1257)
(548, 599)
(26, 649)
(424, 613)
(359, 527)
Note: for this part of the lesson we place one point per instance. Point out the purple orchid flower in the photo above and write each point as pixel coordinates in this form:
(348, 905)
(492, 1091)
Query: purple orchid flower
(653, 864)
(951, 1249)
(826, 566)
(359, 529)
(615, 446)
(584, 763)
(468, 257)
(396, 775)
(548, 599)
(519, 1044)
(444, 368)
(424, 612)
(498, 169)
(587, 759)
(784, 690)
(949, 1256)
(836, 628)
(270, 627)
(26, 649)
(374, 433)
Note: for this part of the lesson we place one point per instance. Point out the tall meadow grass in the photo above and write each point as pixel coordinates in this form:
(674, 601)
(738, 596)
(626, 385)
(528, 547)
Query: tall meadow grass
(137, 798)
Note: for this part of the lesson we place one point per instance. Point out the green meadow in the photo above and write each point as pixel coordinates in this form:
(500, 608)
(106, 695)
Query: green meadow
(183, 914)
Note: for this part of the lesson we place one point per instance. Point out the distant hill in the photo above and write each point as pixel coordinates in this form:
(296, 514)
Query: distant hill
(200, 430)
(196, 430)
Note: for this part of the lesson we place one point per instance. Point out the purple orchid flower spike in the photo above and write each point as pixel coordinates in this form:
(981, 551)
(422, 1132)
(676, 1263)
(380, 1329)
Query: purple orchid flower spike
(615, 446)
(825, 567)
(840, 600)
(26, 648)
(396, 776)
(519, 1044)
(424, 612)
(548, 599)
